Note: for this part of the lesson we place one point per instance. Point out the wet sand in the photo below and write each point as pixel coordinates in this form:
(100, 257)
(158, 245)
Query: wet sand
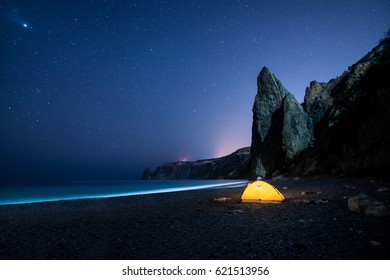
(202, 224)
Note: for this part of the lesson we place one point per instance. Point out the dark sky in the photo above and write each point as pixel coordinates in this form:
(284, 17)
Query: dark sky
(102, 89)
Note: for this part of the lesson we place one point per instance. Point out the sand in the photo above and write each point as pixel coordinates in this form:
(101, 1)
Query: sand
(202, 224)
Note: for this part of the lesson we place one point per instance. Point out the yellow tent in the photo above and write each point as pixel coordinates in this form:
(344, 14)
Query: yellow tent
(261, 191)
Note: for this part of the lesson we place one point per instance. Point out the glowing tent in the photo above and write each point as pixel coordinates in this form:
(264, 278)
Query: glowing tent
(261, 191)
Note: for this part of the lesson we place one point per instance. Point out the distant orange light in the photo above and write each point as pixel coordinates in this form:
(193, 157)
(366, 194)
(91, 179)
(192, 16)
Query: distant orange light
(182, 158)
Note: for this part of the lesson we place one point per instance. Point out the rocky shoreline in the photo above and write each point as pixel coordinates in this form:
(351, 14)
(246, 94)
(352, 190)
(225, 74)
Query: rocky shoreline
(340, 128)
(314, 222)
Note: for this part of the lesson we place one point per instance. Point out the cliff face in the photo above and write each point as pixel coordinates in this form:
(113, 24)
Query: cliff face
(318, 100)
(233, 166)
(352, 136)
(342, 126)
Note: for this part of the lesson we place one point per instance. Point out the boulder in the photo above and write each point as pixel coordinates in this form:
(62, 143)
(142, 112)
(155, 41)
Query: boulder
(363, 203)
(383, 189)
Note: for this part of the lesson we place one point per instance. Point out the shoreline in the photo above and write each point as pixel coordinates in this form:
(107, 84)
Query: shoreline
(201, 224)
(132, 187)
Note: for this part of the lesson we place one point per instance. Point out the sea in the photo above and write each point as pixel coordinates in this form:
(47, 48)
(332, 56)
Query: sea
(21, 193)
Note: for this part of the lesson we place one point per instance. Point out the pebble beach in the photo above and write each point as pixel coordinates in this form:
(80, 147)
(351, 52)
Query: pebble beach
(314, 222)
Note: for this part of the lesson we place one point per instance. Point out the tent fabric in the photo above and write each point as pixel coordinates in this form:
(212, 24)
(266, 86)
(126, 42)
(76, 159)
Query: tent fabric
(261, 191)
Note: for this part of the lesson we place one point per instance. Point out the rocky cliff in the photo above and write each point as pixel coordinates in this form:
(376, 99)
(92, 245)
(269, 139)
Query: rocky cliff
(351, 118)
(342, 126)
(233, 166)
(280, 127)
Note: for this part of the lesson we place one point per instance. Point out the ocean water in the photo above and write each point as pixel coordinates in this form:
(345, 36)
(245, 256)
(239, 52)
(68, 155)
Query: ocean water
(31, 193)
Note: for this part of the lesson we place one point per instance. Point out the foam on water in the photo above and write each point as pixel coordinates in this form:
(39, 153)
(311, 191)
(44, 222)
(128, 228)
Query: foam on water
(32, 193)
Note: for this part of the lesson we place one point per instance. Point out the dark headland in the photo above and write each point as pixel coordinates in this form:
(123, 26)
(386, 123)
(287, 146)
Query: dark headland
(329, 156)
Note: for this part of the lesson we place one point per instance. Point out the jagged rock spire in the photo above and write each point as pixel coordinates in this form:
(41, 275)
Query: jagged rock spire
(279, 128)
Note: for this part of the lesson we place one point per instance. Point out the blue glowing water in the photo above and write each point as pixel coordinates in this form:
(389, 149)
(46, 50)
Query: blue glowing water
(30, 193)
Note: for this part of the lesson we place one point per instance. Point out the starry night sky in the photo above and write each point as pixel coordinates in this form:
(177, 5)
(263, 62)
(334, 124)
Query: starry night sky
(103, 89)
